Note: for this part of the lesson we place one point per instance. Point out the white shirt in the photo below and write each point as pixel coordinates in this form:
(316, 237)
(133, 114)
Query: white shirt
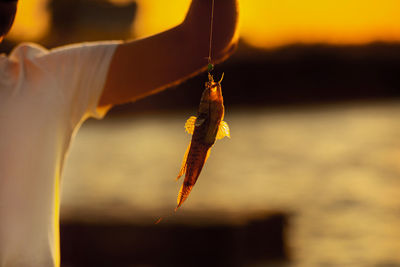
(44, 97)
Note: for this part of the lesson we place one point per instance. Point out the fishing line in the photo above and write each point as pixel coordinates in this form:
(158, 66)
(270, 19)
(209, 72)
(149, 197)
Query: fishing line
(210, 65)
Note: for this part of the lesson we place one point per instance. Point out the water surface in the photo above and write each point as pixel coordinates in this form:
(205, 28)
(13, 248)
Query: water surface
(335, 169)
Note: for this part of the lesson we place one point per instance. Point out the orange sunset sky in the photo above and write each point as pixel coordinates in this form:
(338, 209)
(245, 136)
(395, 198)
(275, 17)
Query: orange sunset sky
(263, 23)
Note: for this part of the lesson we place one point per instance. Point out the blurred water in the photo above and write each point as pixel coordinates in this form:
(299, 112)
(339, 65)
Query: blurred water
(336, 169)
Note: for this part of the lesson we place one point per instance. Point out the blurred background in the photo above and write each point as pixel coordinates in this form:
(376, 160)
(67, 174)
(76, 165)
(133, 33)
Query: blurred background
(310, 176)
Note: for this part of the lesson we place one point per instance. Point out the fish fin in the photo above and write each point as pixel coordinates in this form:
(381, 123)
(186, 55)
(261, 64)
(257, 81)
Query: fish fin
(183, 167)
(189, 125)
(208, 154)
(179, 200)
(223, 130)
(183, 194)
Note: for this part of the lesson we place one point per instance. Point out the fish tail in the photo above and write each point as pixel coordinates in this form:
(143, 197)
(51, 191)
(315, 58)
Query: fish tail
(193, 169)
(183, 194)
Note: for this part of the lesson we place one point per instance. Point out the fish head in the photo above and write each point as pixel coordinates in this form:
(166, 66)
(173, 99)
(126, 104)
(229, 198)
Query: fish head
(215, 90)
(211, 103)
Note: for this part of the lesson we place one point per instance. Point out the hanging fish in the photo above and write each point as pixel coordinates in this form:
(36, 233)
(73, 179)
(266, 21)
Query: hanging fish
(206, 128)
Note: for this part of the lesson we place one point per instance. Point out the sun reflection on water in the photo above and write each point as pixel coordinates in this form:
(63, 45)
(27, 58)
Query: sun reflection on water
(332, 168)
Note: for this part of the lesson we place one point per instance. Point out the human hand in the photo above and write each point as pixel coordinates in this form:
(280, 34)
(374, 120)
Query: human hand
(224, 30)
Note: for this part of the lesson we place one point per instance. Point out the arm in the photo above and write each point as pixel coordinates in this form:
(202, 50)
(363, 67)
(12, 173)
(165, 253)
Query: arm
(146, 66)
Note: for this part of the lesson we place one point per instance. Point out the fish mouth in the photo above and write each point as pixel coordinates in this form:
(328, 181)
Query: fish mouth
(215, 87)
(216, 91)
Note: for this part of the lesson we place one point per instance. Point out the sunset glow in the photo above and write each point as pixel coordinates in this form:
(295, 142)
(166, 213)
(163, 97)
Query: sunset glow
(31, 22)
(275, 23)
(263, 23)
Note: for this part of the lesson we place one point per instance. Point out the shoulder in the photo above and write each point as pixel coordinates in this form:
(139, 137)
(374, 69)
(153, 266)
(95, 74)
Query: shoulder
(27, 51)
(19, 58)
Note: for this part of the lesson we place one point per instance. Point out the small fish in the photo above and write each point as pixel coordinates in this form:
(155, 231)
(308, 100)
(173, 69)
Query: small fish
(206, 128)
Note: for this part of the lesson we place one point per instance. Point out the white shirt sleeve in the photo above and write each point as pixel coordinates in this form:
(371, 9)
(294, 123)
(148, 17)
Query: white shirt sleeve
(44, 95)
(80, 72)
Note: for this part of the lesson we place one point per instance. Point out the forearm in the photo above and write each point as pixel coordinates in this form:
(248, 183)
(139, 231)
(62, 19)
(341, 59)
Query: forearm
(142, 67)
